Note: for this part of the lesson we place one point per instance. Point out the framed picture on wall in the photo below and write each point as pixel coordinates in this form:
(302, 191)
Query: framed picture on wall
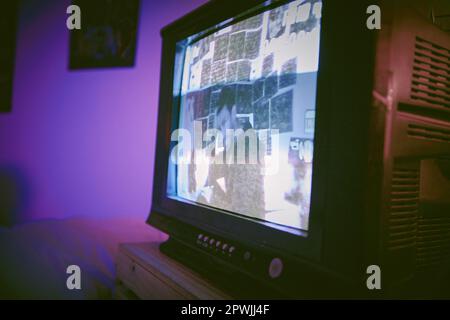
(8, 26)
(108, 34)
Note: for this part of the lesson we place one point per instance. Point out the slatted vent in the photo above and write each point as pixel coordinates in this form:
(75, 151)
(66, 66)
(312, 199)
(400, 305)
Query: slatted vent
(404, 208)
(431, 75)
(429, 133)
(433, 241)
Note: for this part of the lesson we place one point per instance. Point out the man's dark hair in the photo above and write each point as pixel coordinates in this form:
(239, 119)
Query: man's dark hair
(227, 98)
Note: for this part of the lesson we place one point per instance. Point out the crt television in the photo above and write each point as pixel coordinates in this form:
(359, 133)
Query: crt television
(288, 132)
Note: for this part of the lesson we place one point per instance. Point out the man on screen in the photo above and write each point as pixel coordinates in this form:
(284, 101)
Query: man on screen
(232, 185)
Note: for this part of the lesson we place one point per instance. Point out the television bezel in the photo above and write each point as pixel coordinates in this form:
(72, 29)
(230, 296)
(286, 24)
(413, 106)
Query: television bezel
(324, 242)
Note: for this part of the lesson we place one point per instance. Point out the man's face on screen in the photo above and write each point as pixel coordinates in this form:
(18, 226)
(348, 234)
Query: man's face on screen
(226, 119)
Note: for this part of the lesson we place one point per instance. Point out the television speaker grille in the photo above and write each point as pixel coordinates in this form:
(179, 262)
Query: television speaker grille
(404, 208)
(431, 75)
(428, 132)
(433, 241)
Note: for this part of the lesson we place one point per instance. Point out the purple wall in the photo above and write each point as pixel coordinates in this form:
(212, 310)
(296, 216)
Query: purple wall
(82, 142)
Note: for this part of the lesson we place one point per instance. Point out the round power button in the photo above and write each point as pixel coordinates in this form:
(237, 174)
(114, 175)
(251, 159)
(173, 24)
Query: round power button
(275, 268)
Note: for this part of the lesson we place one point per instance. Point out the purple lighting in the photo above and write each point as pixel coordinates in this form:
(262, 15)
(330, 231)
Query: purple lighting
(83, 141)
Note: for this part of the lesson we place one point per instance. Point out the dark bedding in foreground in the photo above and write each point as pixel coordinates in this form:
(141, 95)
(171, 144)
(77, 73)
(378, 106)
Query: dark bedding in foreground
(34, 256)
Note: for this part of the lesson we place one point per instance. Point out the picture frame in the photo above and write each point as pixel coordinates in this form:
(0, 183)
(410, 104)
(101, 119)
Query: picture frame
(108, 34)
(8, 29)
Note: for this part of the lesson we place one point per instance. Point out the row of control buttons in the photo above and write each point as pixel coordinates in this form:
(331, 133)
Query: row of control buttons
(275, 266)
(206, 242)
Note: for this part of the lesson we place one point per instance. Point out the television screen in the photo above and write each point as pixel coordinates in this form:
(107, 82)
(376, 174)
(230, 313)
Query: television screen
(244, 135)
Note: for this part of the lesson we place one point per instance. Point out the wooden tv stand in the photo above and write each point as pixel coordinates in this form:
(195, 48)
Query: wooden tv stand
(143, 272)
